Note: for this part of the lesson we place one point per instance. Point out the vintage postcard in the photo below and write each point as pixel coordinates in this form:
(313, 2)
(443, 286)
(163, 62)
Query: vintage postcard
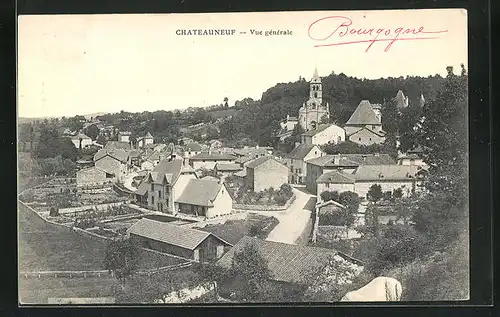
(317, 156)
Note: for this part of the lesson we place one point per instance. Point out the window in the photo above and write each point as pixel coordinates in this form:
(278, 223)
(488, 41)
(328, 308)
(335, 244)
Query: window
(370, 139)
(373, 127)
(327, 185)
(152, 200)
(315, 95)
(152, 187)
(159, 194)
(359, 139)
(315, 152)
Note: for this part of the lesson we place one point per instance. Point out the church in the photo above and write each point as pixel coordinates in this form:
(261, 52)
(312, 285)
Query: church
(314, 112)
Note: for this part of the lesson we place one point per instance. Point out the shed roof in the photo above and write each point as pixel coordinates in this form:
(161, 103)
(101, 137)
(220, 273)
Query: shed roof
(301, 151)
(200, 192)
(318, 129)
(171, 234)
(336, 177)
(227, 167)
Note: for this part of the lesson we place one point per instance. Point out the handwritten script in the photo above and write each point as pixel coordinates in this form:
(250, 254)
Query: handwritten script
(339, 30)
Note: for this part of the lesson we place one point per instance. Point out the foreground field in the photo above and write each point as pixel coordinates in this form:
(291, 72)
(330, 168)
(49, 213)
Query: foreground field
(37, 291)
(45, 247)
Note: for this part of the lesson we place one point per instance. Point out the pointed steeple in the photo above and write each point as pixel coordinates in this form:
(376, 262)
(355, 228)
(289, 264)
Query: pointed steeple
(315, 75)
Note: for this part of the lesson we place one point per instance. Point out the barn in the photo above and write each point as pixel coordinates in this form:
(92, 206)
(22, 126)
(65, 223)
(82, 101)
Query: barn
(184, 242)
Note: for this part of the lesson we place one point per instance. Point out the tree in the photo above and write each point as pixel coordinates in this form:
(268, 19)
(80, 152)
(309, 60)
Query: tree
(397, 193)
(225, 102)
(252, 274)
(212, 274)
(374, 193)
(330, 195)
(92, 131)
(122, 258)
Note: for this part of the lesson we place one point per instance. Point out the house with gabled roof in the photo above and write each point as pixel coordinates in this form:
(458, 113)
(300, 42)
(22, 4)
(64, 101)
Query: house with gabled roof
(117, 145)
(145, 140)
(192, 149)
(187, 243)
(389, 177)
(113, 161)
(205, 197)
(327, 133)
(296, 161)
(81, 141)
(164, 184)
(365, 126)
(265, 172)
(346, 162)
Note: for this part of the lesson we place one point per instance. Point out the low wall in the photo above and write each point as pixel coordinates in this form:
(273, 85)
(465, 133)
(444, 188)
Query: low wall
(94, 207)
(264, 207)
(216, 221)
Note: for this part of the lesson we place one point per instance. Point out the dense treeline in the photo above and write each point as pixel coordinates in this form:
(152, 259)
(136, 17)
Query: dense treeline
(260, 119)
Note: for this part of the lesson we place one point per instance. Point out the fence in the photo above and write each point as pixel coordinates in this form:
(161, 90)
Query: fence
(239, 207)
(96, 273)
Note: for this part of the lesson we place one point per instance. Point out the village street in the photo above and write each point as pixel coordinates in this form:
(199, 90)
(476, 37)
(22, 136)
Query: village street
(294, 220)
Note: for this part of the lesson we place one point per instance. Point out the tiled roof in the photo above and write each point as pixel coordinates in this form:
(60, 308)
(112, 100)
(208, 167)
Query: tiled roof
(193, 146)
(318, 129)
(251, 151)
(386, 172)
(80, 136)
(261, 160)
(171, 234)
(363, 114)
(118, 154)
(352, 160)
(380, 133)
(287, 262)
(117, 145)
(329, 202)
(335, 177)
(213, 156)
(301, 151)
(168, 167)
(143, 188)
(227, 167)
(244, 159)
(200, 192)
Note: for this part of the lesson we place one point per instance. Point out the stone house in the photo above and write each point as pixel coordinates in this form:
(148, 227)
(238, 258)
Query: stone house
(81, 141)
(323, 134)
(296, 161)
(124, 136)
(346, 162)
(114, 161)
(164, 184)
(205, 198)
(145, 140)
(389, 177)
(183, 242)
(93, 176)
(265, 172)
(365, 126)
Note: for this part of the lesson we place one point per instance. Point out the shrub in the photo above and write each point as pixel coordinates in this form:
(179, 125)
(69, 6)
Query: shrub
(53, 212)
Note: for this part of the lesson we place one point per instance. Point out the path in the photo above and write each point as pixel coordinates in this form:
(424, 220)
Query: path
(127, 181)
(294, 220)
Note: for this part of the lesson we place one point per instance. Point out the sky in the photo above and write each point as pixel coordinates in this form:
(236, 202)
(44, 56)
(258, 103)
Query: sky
(81, 64)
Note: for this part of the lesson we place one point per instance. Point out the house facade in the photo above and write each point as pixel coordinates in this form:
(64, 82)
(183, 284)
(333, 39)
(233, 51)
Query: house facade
(289, 123)
(81, 141)
(145, 140)
(347, 163)
(389, 177)
(113, 162)
(206, 197)
(297, 159)
(265, 172)
(324, 134)
(93, 176)
(192, 149)
(124, 136)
